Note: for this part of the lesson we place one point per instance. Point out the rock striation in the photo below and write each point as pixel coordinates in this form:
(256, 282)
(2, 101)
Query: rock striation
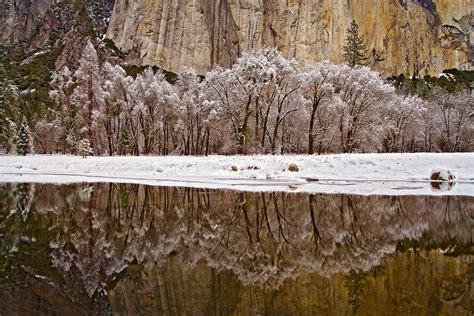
(403, 36)
(34, 24)
(43, 26)
(20, 19)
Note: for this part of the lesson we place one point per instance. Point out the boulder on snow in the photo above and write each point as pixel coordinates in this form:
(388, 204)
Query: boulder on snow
(442, 175)
(442, 180)
(234, 168)
(293, 168)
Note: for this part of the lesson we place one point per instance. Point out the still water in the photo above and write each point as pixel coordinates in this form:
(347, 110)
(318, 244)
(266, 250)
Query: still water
(135, 249)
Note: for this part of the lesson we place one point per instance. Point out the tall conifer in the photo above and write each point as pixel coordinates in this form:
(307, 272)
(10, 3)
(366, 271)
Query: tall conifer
(22, 141)
(355, 50)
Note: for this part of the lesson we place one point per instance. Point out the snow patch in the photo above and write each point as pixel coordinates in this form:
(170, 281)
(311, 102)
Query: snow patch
(367, 174)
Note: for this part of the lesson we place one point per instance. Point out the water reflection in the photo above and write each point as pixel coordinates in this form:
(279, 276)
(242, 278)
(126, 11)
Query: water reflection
(173, 246)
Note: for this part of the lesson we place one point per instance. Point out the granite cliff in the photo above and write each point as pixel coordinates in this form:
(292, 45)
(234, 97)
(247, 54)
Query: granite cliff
(41, 24)
(54, 28)
(403, 36)
(20, 19)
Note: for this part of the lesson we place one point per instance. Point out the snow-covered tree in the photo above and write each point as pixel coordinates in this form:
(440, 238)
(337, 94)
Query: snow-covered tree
(402, 122)
(84, 147)
(355, 50)
(64, 126)
(450, 113)
(112, 119)
(232, 102)
(255, 97)
(45, 133)
(263, 103)
(89, 95)
(238, 94)
(193, 115)
(154, 100)
(282, 99)
(23, 139)
(318, 92)
(363, 95)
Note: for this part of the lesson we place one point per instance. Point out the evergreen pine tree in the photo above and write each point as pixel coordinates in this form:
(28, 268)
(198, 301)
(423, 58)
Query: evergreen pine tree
(22, 140)
(85, 147)
(124, 142)
(8, 110)
(355, 50)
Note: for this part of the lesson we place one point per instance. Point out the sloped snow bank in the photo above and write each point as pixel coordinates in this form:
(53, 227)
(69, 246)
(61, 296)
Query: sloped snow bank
(366, 174)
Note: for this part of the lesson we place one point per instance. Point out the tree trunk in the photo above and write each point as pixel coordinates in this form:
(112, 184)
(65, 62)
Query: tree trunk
(265, 124)
(311, 126)
(207, 141)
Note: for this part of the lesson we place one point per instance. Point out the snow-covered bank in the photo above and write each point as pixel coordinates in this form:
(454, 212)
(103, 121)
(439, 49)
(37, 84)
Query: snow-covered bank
(391, 174)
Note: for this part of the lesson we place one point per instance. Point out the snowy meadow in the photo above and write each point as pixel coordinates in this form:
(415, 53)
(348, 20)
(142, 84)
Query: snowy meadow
(365, 174)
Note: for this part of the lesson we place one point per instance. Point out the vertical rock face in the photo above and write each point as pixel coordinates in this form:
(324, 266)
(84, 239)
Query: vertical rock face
(32, 21)
(19, 19)
(49, 24)
(403, 36)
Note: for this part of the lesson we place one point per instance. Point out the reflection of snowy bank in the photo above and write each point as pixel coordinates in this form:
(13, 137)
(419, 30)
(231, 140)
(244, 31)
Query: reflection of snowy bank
(366, 174)
(263, 238)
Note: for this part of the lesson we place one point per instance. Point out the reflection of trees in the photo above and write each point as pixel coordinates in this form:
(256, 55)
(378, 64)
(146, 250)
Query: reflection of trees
(15, 205)
(355, 284)
(263, 238)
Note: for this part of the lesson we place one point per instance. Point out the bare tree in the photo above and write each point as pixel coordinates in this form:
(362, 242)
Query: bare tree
(363, 93)
(193, 115)
(88, 96)
(64, 127)
(319, 98)
(402, 120)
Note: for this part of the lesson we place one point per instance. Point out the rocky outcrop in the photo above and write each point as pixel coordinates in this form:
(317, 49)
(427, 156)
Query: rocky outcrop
(41, 23)
(403, 36)
(20, 19)
(49, 26)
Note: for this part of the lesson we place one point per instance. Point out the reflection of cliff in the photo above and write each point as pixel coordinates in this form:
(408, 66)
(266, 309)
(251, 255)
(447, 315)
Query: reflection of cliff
(236, 251)
(408, 283)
